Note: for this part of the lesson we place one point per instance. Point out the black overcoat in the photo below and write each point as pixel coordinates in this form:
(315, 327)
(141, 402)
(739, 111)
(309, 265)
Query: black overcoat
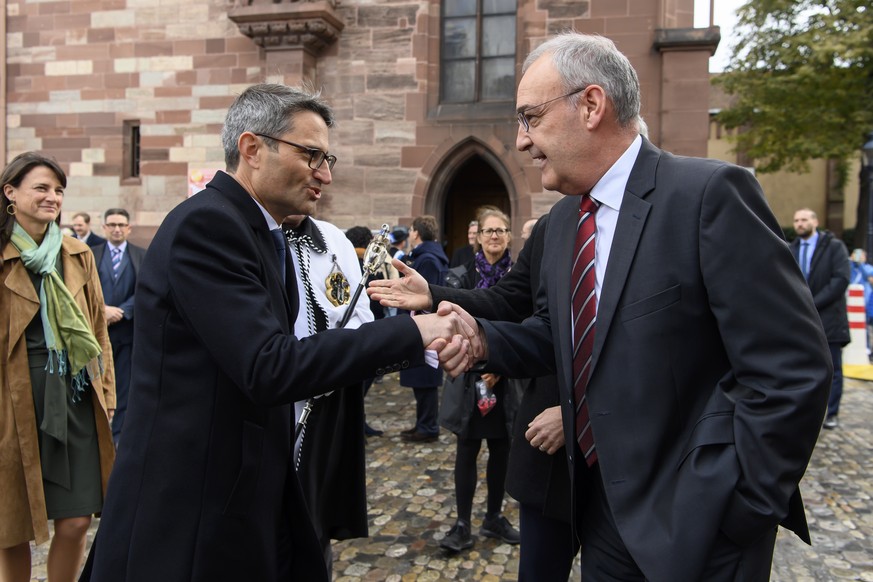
(203, 488)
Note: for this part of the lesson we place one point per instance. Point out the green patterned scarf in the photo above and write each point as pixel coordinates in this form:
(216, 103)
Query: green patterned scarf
(67, 336)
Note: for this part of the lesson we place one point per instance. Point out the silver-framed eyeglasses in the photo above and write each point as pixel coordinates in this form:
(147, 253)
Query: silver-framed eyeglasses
(316, 156)
(523, 119)
(489, 232)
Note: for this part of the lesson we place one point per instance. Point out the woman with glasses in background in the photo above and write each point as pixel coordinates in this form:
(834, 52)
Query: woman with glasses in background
(57, 390)
(482, 406)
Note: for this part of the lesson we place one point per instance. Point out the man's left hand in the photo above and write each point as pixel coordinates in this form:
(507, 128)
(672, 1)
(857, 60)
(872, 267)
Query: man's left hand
(546, 431)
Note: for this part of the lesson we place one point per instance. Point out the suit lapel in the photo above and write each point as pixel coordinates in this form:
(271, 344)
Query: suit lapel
(98, 253)
(125, 261)
(817, 253)
(562, 230)
(236, 195)
(104, 269)
(631, 220)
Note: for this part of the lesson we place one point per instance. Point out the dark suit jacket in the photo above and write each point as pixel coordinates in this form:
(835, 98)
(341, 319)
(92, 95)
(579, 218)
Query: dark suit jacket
(710, 371)
(93, 240)
(204, 488)
(829, 274)
(533, 477)
(119, 292)
(462, 256)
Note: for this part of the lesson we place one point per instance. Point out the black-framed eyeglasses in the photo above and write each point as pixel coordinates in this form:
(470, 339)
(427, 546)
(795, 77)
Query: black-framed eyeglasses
(114, 225)
(316, 156)
(489, 232)
(522, 115)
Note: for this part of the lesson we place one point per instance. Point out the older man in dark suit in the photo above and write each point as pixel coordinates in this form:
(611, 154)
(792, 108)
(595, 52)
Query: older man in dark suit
(204, 486)
(118, 263)
(691, 363)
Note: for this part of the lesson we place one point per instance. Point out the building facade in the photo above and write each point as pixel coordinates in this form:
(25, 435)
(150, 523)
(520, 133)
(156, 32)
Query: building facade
(130, 95)
(821, 188)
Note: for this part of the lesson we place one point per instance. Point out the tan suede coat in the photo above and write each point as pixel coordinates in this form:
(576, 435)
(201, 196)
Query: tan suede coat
(22, 500)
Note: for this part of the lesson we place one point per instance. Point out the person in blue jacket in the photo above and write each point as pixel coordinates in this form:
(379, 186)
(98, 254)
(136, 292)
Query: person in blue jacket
(428, 258)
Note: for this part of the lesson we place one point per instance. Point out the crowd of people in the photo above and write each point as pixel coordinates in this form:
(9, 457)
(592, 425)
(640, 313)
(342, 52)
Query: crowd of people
(645, 405)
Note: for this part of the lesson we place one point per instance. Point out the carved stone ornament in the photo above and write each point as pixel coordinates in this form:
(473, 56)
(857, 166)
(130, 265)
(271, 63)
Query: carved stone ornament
(288, 25)
(687, 39)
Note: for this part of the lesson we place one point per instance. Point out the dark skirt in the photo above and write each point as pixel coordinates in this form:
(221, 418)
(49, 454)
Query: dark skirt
(71, 469)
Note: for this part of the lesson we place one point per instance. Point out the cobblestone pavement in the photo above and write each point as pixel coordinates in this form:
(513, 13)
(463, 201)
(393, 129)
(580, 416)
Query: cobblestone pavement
(411, 497)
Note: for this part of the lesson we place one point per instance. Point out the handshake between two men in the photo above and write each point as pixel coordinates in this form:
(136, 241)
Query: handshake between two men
(451, 332)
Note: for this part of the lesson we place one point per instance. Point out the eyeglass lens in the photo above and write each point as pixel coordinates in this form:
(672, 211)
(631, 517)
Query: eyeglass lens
(316, 156)
(522, 115)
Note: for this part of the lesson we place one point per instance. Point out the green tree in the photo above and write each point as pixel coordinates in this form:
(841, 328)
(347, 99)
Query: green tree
(802, 78)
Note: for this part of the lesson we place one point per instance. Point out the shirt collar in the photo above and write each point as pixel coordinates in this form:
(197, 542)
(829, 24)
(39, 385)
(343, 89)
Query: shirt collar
(271, 222)
(122, 247)
(609, 190)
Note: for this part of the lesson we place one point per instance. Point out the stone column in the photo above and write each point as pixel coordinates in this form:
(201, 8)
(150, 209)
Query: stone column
(684, 112)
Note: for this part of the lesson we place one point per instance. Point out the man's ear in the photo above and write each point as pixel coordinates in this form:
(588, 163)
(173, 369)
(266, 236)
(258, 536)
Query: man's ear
(250, 148)
(593, 106)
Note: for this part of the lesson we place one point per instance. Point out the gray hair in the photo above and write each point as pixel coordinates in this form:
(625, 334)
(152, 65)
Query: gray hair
(269, 109)
(584, 59)
(643, 127)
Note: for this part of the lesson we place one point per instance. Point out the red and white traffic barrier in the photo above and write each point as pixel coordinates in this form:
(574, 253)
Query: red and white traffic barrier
(855, 353)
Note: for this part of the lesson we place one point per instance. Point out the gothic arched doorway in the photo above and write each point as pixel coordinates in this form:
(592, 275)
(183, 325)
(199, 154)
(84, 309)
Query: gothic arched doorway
(475, 183)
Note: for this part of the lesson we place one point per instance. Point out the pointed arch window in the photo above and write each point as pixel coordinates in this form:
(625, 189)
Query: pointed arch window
(477, 51)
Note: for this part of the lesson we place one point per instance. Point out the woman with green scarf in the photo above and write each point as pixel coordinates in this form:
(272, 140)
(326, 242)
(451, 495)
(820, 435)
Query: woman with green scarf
(57, 390)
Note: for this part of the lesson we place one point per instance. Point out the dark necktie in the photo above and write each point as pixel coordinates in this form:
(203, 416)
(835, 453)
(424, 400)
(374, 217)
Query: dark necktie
(584, 315)
(281, 247)
(116, 261)
(804, 265)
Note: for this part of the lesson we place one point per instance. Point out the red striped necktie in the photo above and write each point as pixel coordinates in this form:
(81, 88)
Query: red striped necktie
(584, 315)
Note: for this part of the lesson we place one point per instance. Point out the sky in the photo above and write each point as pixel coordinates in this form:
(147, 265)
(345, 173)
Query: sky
(725, 17)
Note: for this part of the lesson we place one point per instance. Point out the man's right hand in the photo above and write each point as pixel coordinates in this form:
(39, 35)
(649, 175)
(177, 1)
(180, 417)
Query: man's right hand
(454, 335)
(457, 357)
(113, 314)
(410, 292)
(443, 326)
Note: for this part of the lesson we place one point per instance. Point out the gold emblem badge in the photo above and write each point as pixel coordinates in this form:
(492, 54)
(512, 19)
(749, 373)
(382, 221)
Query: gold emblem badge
(337, 286)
